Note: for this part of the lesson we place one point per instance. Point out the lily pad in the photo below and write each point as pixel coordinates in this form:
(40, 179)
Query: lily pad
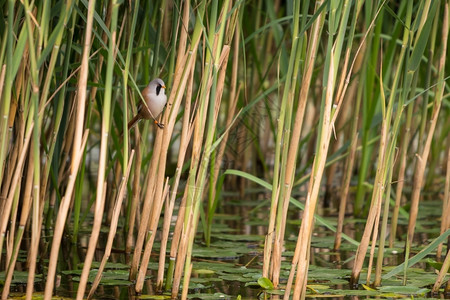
(408, 290)
(265, 283)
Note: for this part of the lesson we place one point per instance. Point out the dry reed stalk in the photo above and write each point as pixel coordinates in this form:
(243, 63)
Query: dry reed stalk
(96, 226)
(180, 255)
(159, 157)
(381, 245)
(146, 209)
(294, 145)
(156, 212)
(20, 84)
(113, 227)
(186, 134)
(61, 220)
(2, 79)
(422, 158)
(135, 191)
(13, 214)
(400, 181)
(23, 221)
(36, 217)
(82, 85)
(181, 211)
(201, 166)
(155, 158)
(373, 211)
(186, 283)
(102, 164)
(17, 174)
(184, 31)
(445, 218)
(374, 237)
(26, 204)
(313, 192)
(338, 140)
(196, 178)
(445, 267)
(234, 96)
(168, 211)
(152, 186)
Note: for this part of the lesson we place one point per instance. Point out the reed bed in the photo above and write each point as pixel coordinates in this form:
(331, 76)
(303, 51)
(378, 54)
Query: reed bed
(303, 98)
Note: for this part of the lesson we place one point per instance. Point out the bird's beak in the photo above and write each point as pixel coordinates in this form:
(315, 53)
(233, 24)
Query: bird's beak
(163, 86)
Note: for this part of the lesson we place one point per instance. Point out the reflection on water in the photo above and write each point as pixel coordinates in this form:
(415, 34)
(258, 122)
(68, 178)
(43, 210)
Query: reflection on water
(233, 263)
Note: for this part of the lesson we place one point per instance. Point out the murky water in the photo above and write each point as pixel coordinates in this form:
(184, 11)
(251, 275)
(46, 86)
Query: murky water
(232, 265)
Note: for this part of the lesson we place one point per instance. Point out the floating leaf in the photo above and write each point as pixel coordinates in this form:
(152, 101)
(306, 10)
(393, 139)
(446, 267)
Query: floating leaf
(435, 264)
(214, 253)
(203, 271)
(368, 288)
(401, 289)
(233, 277)
(265, 283)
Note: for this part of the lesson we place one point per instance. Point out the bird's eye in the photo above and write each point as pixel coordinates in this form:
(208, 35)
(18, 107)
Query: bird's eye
(158, 89)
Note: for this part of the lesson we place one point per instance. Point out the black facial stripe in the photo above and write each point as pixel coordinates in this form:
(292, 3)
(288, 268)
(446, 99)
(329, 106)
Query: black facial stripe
(158, 89)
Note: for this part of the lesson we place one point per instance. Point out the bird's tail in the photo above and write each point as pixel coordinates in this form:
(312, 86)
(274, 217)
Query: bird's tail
(133, 121)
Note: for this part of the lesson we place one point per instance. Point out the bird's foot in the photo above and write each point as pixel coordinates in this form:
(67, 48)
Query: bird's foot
(160, 125)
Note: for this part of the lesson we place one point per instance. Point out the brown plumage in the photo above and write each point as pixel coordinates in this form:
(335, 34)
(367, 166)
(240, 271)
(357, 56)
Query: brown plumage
(155, 98)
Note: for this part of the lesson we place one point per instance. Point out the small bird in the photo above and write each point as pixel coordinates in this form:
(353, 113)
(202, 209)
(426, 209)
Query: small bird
(155, 98)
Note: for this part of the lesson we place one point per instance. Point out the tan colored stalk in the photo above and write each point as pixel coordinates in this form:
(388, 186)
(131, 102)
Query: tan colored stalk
(338, 140)
(82, 85)
(313, 190)
(445, 219)
(113, 226)
(156, 212)
(168, 212)
(23, 220)
(186, 283)
(234, 96)
(445, 267)
(181, 254)
(61, 221)
(158, 162)
(384, 157)
(374, 237)
(8, 177)
(400, 179)
(26, 204)
(135, 191)
(293, 144)
(2, 79)
(373, 215)
(182, 41)
(382, 242)
(220, 65)
(102, 164)
(174, 98)
(96, 226)
(15, 181)
(422, 158)
(302, 248)
(146, 209)
(36, 218)
(186, 134)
